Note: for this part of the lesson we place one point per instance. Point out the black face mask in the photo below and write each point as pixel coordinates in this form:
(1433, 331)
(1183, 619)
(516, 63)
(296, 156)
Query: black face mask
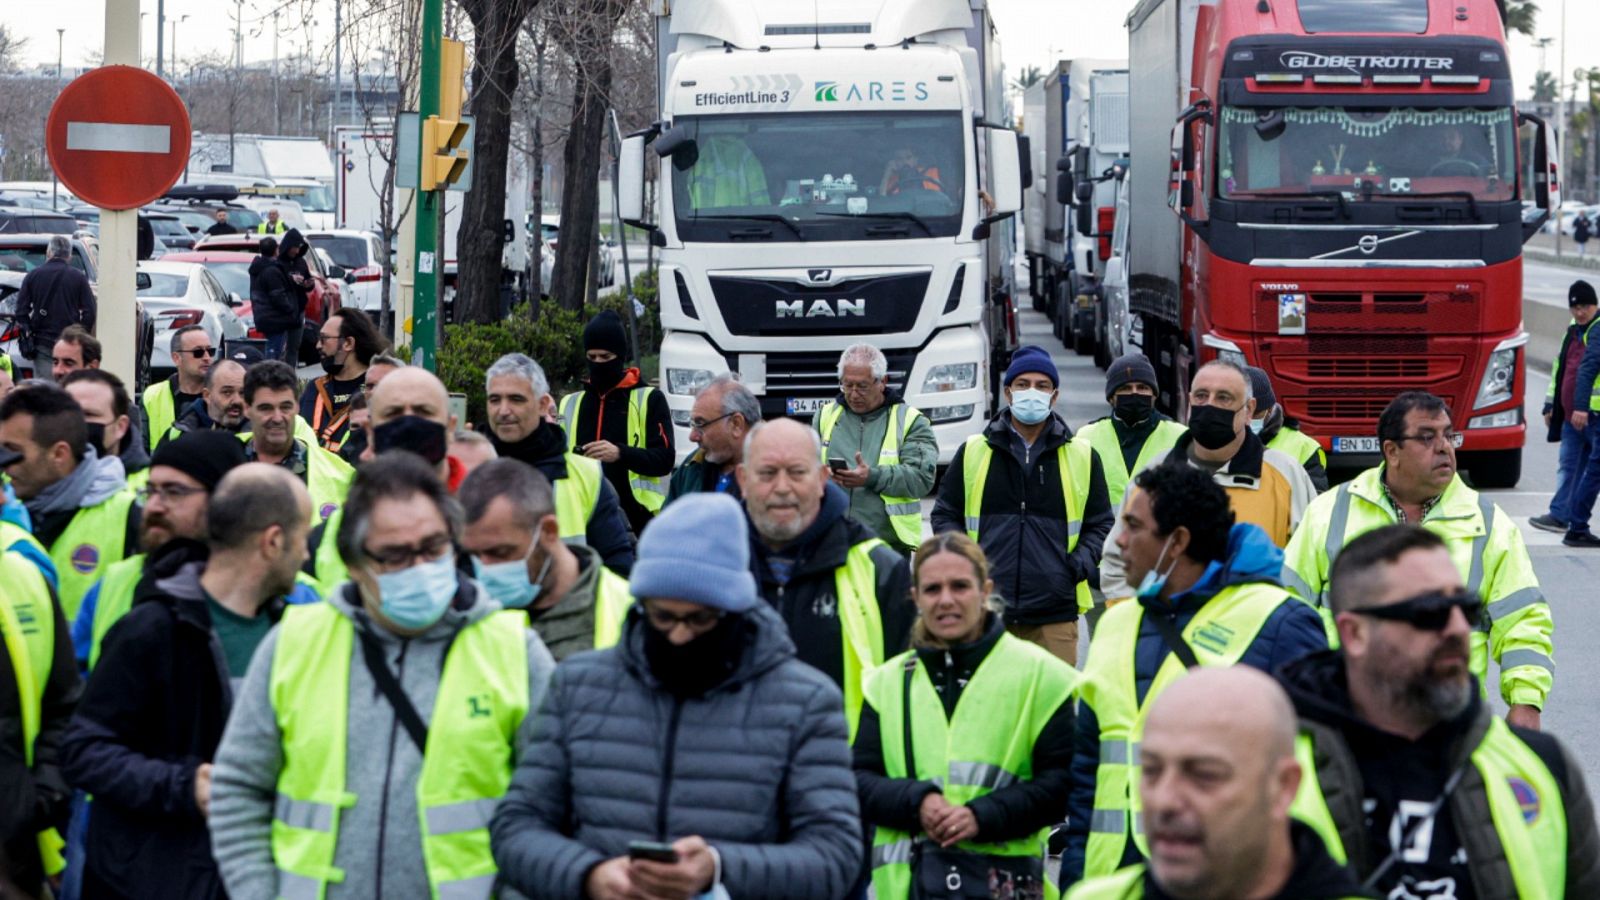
(603, 376)
(424, 437)
(1212, 426)
(354, 446)
(332, 364)
(1131, 409)
(96, 436)
(692, 669)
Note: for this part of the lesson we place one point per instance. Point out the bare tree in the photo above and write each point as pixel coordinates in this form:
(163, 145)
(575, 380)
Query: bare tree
(496, 25)
(11, 47)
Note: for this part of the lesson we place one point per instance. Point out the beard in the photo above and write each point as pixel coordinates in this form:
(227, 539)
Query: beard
(1432, 690)
(780, 532)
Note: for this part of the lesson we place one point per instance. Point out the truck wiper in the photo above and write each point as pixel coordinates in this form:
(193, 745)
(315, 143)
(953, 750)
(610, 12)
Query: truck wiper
(756, 217)
(903, 216)
(1344, 209)
(1472, 201)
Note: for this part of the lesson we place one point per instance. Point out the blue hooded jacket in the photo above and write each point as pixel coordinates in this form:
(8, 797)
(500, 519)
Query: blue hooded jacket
(1293, 630)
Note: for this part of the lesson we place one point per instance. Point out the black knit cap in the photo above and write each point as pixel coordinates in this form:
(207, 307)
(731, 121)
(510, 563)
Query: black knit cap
(1128, 369)
(1581, 294)
(1261, 389)
(205, 456)
(605, 332)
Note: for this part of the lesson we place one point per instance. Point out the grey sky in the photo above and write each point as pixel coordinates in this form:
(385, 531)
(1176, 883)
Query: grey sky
(1034, 32)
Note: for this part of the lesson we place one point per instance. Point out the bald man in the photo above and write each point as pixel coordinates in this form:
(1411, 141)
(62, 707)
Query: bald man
(808, 552)
(1217, 783)
(410, 410)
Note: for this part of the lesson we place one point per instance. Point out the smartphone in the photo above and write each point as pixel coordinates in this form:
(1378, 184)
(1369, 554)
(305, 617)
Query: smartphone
(837, 464)
(661, 853)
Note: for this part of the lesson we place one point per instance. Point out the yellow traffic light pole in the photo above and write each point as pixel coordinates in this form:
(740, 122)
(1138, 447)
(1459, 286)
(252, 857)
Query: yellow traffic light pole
(440, 162)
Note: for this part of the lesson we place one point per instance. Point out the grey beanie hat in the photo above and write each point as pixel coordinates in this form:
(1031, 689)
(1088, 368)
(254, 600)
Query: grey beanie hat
(698, 551)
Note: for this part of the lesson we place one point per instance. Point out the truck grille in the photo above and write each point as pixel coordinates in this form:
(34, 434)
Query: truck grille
(1413, 370)
(880, 304)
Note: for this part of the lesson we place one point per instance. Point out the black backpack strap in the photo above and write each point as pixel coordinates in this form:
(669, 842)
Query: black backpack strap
(1174, 640)
(911, 759)
(372, 653)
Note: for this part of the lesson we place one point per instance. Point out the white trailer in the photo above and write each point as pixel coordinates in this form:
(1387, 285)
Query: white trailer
(833, 172)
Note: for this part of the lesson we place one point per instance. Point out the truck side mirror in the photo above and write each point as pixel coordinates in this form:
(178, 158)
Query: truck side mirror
(1063, 187)
(678, 143)
(1085, 221)
(1546, 173)
(1025, 153)
(1005, 157)
(630, 180)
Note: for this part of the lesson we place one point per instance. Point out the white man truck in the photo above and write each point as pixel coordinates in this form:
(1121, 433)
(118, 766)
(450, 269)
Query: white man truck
(1076, 122)
(832, 173)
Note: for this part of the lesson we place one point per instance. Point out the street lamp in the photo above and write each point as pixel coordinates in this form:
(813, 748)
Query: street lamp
(175, 22)
(61, 34)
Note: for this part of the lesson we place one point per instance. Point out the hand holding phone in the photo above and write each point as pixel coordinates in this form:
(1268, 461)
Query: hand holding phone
(653, 851)
(837, 464)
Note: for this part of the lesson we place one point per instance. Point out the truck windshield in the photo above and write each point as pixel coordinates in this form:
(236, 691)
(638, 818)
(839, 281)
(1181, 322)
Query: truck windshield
(835, 176)
(1379, 154)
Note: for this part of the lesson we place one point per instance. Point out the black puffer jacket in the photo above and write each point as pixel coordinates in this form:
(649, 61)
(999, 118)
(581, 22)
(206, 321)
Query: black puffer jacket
(53, 297)
(152, 713)
(1023, 522)
(273, 299)
(758, 767)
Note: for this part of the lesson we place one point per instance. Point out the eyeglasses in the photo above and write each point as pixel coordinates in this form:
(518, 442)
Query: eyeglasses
(324, 338)
(856, 387)
(699, 620)
(1429, 437)
(198, 352)
(703, 424)
(400, 557)
(1430, 611)
(169, 493)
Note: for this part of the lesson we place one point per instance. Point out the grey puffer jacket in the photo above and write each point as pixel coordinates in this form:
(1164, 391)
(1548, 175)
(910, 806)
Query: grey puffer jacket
(759, 768)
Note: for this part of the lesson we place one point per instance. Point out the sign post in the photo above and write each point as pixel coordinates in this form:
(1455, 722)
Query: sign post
(429, 268)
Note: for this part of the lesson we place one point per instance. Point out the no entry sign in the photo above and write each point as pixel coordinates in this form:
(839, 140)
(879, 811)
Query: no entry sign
(118, 137)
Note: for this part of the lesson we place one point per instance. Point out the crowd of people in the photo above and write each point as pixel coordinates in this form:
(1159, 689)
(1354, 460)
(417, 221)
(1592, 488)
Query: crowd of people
(269, 640)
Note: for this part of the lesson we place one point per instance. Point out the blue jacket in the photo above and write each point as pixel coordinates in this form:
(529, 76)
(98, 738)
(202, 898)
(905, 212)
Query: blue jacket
(1588, 371)
(1293, 630)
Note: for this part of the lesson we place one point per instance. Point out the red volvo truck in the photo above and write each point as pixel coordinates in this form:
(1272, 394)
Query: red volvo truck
(1348, 189)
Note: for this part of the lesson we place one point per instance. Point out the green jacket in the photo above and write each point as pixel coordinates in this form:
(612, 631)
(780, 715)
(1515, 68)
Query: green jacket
(913, 477)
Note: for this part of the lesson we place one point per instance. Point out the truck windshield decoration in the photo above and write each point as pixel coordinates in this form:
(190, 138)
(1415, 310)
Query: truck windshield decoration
(827, 176)
(1367, 154)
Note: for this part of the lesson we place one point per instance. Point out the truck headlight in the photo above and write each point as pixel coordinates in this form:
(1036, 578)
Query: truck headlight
(951, 377)
(1505, 419)
(681, 417)
(687, 382)
(1498, 378)
(941, 414)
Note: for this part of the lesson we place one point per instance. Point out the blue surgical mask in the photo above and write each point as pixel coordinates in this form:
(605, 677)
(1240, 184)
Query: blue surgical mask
(508, 582)
(415, 598)
(1257, 424)
(1152, 583)
(1031, 406)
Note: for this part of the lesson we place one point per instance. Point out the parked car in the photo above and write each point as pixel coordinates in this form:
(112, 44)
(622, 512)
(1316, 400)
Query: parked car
(27, 220)
(324, 298)
(550, 232)
(179, 294)
(21, 254)
(360, 254)
(170, 229)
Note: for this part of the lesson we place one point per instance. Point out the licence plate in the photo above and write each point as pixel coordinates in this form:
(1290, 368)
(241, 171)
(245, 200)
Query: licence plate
(804, 406)
(1356, 445)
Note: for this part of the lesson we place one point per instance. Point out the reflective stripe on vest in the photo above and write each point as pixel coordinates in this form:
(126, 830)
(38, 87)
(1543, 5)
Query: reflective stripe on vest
(1102, 436)
(1524, 802)
(860, 623)
(1220, 633)
(116, 598)
(1075, 459)
(482, 700)
(648, 491)
(612, 600)
(91, 542)
(28, 627)
(905, 513)
(576, 496)
(985, 745)
(158, 401)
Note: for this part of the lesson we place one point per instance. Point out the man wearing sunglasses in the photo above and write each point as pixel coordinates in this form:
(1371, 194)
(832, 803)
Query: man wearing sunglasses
(1410, 777)
(724, 412)
(1417, 483)
(162, 402)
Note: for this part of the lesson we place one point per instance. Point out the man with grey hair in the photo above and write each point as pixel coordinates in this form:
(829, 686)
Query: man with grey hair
(521, 427)
(724, 412)
(869, 420)
(408, 669)
(1265, 487)
(53, 297)
(843, 592)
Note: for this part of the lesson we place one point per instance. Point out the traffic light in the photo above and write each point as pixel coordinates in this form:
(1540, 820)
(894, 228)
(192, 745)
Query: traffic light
(443, 158)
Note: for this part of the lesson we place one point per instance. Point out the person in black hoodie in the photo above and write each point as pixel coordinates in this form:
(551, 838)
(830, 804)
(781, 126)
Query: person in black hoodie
(522, 427)
(153, 714)
(956, 635)
(803, 546)
(273, 300)
(1404, 745)
(1218, 782)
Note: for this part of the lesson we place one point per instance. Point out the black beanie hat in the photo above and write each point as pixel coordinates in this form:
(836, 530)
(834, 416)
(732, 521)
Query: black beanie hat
(605, 332)
(205, 456)
(1261, 388)
(1128, 369)
(1581, 294)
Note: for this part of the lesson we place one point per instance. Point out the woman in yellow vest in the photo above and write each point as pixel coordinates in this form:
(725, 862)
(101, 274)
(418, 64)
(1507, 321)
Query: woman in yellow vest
(964, 744)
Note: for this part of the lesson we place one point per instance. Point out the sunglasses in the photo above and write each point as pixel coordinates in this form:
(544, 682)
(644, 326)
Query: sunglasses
(198, 352)
(1430, 611)
(699, 620)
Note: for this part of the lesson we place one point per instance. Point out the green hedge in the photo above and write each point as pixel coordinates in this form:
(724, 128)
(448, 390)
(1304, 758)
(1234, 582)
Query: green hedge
(555, 340)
